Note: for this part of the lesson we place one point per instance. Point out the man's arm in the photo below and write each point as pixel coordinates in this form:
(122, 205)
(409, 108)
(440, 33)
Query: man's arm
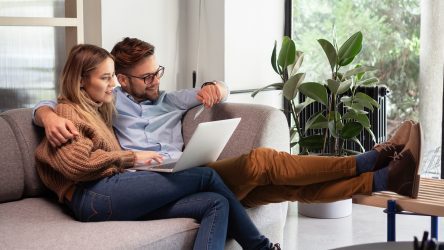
(58, 130)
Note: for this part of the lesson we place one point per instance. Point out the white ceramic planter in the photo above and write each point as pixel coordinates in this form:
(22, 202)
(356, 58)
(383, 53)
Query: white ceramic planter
(331, 210)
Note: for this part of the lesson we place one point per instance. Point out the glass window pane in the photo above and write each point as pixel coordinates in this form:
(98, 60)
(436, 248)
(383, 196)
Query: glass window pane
(31, 59)
(32, 8)
(391, 43)
(391, 31)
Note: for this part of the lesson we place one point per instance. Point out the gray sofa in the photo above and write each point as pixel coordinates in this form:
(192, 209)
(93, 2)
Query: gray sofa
(31, 218)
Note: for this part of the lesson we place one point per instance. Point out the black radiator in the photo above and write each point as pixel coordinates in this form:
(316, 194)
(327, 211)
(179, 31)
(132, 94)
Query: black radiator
(378, 119)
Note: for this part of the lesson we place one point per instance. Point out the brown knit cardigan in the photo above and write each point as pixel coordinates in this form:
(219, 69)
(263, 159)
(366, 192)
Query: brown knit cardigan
(90, 156)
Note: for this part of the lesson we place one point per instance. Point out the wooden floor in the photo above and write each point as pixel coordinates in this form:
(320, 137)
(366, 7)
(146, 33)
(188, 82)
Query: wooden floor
(430, 199)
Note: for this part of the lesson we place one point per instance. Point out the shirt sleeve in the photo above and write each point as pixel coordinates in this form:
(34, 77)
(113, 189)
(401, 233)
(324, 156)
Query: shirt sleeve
(49, 103)
(80, 160)
(182, 99)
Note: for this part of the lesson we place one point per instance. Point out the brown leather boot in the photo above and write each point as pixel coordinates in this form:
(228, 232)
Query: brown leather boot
(402, 175)
(394, 145)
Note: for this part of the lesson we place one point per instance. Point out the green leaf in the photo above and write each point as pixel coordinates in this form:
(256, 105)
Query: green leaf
(278, 85)
(358, 107)
(315, 91)
(330, 51)
(354, 139)
(312, 142)
(333, 85)
(363, 120)
(346, 99)
(360, 75)
(333, 129)
(290, 88)
(287, 53)
(368, 82)
(346, 61)
(351, 129)
(349, 115)
(344, 87)
(358, 70)
(298, 62)
(316, 121)
(350, 49)
(300, 106)
(363, 96)
(371, 134)
(273, 59)
(335, 123)
(364, 103)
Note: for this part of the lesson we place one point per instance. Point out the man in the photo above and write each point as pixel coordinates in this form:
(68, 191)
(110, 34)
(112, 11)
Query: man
(149, 119)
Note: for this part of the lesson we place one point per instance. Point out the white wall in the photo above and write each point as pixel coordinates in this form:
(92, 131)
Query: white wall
(251, 27)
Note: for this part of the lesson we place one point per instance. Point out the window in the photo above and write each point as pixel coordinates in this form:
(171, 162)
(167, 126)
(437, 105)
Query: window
(391, 44)
(35, 38)
(391, 30)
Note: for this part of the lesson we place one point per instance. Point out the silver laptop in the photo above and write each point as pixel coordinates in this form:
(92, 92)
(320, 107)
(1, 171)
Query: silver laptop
(205, 146)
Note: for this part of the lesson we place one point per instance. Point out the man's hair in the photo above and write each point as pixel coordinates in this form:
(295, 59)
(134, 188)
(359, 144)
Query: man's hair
(129, 52)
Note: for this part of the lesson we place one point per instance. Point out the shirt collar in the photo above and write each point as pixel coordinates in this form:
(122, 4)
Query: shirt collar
(146, 102)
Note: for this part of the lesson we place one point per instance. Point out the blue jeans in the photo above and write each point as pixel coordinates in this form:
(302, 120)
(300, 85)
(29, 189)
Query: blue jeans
(197, 193)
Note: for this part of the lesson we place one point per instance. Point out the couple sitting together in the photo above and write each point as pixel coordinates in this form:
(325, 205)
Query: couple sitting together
(96, 131)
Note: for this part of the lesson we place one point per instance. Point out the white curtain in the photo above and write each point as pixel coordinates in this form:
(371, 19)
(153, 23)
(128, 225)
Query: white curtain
(431, 72)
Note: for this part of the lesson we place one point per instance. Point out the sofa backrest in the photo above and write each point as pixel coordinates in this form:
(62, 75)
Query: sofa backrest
(18, 140)
(260, 126)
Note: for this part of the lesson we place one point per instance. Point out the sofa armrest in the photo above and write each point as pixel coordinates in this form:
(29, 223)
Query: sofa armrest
(260, 126)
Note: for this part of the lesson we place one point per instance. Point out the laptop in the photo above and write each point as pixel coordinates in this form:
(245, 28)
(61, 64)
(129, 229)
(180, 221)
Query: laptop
(205, 146)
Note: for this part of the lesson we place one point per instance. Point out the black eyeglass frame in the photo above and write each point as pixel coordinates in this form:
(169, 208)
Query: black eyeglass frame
(150, 77)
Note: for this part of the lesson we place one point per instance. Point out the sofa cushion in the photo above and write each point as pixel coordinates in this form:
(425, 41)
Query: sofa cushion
(11, 165)
(37, 223)
(28, 136)
(40, 223)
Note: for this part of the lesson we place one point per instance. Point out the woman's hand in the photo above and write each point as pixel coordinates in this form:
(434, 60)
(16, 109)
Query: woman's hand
(146, 157)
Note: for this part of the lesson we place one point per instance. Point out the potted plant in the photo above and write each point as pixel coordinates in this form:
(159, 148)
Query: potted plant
(343, 115)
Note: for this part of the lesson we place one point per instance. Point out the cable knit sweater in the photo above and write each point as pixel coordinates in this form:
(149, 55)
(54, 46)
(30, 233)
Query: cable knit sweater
(90, 156)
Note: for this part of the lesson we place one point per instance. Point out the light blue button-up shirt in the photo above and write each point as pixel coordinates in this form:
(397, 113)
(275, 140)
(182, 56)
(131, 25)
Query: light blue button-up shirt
(153, 126)
(150, 126)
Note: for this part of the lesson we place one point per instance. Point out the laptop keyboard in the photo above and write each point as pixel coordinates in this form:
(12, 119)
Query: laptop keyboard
(165, 165)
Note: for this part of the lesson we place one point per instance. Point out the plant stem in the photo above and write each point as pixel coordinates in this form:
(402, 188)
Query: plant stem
(295, 118)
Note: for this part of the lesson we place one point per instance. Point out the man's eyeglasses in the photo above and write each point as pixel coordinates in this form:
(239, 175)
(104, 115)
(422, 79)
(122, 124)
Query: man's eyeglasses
(149, 78)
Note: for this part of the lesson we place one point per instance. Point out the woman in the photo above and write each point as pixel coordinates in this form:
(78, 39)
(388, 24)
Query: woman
(88, 173)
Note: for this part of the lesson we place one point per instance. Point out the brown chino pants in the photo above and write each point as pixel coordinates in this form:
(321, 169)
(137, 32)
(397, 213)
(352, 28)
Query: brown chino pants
(266, 176)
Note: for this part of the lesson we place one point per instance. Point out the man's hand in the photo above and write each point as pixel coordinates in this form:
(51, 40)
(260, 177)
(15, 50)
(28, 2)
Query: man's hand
(146, 157)
(58, 130)
(211, 94)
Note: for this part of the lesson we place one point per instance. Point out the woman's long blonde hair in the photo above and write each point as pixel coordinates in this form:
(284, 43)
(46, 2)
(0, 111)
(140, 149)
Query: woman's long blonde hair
(82, 59)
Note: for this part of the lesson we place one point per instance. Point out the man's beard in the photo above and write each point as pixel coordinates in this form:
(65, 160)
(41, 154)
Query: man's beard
(146, 95)
(152, 96)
